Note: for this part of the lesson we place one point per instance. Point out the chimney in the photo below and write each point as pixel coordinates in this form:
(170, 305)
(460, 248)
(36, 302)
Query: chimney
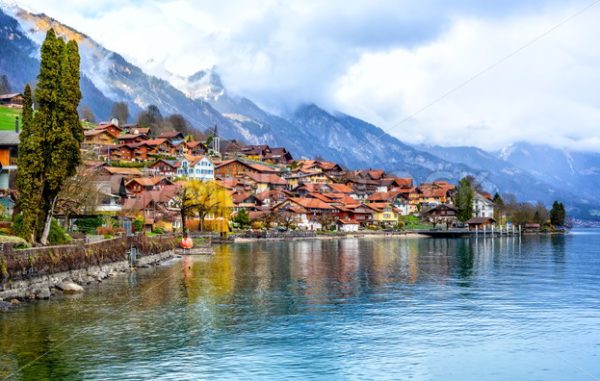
(17, 124)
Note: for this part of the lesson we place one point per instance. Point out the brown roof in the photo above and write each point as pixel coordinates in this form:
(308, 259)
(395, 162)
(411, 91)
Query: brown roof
(311, 203)
(147, 181)
(128, 136)
(266, 178)
(123, 171)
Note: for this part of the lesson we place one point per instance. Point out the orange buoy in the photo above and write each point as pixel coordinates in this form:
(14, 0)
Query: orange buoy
(186, 243)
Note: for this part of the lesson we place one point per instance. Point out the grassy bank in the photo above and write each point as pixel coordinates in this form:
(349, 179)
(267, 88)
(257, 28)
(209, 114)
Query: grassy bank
(7, 118)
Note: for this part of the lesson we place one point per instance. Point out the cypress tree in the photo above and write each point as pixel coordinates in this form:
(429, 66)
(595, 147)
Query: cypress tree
(29, 168)
(51, 139)
(463, 200)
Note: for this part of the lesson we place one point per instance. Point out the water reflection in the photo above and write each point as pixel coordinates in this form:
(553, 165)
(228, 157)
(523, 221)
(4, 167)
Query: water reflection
(301, 305)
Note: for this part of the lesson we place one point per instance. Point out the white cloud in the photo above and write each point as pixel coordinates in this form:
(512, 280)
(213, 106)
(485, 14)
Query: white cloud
(546, 93)
(378, 60)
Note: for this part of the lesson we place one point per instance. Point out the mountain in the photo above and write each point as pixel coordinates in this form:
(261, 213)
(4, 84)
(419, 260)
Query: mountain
(530, 172)
(572, 170)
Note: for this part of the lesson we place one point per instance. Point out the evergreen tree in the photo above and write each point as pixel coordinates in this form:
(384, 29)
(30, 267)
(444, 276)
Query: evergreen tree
(4, 85)
(51, 139)
(463, 199)
(29, 168)
(558, 214)
(499, 207)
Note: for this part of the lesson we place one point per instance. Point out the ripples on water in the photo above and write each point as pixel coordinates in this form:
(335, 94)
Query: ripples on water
(422, 309)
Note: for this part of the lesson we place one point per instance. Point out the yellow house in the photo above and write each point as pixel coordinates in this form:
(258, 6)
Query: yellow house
(385, 213)
(308, 178)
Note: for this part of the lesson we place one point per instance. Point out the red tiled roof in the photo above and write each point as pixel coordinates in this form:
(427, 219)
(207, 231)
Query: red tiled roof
(266, 178)
(311, 203)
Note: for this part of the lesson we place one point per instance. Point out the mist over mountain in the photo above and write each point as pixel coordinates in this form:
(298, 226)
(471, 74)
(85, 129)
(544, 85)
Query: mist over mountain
(532, 173)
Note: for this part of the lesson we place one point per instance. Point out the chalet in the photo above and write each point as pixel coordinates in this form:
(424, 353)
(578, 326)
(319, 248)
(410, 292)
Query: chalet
(362, 187)
(318, 166)
(244, 200)
(111, 128)
(480, 223)
(153, 205)
(441, 214)
(308, 178)
(196, 148)
(140, 184)
(131, 138)
(162, 167)
(310, 212)
(107, 171)
(98, 137)
(196, 167)
(161, 146)
(171, 135)
(15, 99)
(361, 213)
(233, 167)
(265, 181)
(132, 152)
(272, 197)
(9, 142)
(278, 155)
(393, 183)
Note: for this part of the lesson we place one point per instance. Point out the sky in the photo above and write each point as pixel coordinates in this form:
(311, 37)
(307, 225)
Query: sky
(452, 73)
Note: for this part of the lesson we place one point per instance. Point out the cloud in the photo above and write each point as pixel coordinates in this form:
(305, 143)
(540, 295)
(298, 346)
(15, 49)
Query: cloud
(378, 60)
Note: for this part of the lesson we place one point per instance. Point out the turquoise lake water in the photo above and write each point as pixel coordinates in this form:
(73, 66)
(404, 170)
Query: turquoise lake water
(351, 309)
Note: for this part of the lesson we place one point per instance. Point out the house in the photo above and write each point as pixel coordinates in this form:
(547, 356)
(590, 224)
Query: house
(9, 143)
(347, 226)
(441, 214)
(480, 223)
(361, 213)
(98, 137)
(196, 167)
(107, 171)
(15, 99)
(162, 167)
(318, 166)
(278, 155)
(153, 205)
(308, 178)
(131, 138)
(265, 181)
(310, 213)
(171, 135)
(110, 195)
(161, 146)
(483, 206)
(233, 167)
(132, 152)
(111, 128)
(140, 184)
(244, 200)
(385, 213)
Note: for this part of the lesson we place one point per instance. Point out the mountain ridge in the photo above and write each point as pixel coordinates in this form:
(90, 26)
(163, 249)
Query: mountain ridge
(307, 132)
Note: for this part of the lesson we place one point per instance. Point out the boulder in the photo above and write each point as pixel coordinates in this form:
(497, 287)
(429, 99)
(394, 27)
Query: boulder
(5, 306)
(42, 293)
(69, 287)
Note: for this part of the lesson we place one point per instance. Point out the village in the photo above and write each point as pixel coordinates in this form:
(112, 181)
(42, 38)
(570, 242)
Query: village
(132, 173)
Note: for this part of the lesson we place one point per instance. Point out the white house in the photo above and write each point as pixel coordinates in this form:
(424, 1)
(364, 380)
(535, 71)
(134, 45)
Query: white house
(197, 168)
(482, 206)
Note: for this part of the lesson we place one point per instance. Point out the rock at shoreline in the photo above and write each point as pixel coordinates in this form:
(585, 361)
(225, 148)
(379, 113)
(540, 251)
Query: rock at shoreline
(69, 287)
(5, 306)
(42, 293)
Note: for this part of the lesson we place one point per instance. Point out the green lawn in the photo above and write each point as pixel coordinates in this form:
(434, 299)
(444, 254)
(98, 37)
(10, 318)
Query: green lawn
(7, 118)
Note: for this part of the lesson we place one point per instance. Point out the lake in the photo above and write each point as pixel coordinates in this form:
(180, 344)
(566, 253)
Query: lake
(362, 309)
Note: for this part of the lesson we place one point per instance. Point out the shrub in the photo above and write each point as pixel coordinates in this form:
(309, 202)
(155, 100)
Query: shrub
(88, 225)
(138, 223)
(108, 230)
(164, 226)
(158, 230)
(57, 235)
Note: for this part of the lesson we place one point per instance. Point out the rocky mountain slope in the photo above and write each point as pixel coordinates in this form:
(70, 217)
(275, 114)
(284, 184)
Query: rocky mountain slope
(531, 173)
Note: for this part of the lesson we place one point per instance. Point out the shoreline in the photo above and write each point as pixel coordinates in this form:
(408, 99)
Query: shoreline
(73, 281)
